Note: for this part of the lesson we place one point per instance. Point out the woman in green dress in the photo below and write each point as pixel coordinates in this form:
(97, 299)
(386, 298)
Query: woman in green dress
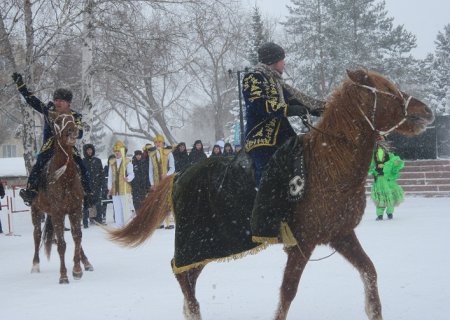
(385, 168)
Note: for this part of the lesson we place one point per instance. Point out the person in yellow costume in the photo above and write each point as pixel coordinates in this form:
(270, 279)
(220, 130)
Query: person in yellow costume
(119, 177)
(161, 164)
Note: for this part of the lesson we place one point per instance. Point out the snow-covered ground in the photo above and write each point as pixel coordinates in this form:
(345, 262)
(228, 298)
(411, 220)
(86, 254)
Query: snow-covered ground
(411, 254)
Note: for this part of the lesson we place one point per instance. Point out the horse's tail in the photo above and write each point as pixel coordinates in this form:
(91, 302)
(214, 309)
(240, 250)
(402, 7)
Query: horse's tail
(47, 237)
(154, 209)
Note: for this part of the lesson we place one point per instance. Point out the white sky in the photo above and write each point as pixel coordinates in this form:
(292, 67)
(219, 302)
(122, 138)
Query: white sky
(422, 18)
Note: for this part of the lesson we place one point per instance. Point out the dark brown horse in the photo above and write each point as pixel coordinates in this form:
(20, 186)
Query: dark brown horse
(62, 196)
(337, 157)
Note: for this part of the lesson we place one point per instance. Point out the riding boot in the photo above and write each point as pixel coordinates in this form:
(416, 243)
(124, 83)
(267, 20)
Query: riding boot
(31, 191)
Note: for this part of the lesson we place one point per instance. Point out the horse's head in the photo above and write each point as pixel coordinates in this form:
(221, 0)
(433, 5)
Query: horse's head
(388, 109)
(65, 129)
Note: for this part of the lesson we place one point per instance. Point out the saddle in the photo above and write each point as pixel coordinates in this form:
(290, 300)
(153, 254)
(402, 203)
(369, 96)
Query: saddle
(283, 184)
(217, 210)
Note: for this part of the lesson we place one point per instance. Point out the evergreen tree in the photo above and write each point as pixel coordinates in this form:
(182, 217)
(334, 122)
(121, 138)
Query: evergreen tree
(439, 86)
(328, 36)
(256, 37)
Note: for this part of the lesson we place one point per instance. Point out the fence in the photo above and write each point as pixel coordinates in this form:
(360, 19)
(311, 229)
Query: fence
(13, 204)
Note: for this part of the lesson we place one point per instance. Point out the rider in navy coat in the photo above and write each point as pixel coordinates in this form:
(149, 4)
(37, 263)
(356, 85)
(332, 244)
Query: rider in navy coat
(61, 103)
(268, 103)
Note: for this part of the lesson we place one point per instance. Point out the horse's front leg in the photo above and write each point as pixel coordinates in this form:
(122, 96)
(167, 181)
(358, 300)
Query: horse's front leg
(351, 249)
(75, 226)
(58, 223)
(37, 234)
(296, 262)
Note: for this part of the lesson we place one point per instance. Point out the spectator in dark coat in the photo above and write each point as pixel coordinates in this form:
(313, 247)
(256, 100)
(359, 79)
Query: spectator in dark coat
(216, 152)
(95, 169)
(140, 184)
(105, 199)
(181, 157)
(2, 195)
(228, 150)
(197, 154)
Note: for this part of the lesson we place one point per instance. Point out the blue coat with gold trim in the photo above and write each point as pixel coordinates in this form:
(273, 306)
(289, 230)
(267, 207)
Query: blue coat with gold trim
(266, 111)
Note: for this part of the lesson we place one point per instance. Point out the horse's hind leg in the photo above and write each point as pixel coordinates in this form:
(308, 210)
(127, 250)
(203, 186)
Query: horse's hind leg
(351, 249)
(294, 267)
(37, 235)
(188, 281)
(87, 265)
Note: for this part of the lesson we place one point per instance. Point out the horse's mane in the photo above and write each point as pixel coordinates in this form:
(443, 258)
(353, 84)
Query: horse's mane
(340, 131)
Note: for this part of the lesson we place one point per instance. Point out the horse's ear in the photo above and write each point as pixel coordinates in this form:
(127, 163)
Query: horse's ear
(359, 76)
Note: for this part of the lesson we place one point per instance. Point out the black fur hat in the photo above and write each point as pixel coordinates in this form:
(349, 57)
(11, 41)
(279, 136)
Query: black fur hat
(63, 94)
(270, 53)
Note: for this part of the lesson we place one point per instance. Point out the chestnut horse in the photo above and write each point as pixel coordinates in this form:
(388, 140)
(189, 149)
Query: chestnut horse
(337, 156)
(62, 196)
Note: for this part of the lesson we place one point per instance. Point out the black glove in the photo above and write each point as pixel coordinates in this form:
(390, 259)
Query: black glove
(297, 110)
(18, 79)
(317, 112)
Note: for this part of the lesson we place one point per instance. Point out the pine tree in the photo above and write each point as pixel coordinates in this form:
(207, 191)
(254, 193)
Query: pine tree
(256, 37)
(328, 36)
(439, 96)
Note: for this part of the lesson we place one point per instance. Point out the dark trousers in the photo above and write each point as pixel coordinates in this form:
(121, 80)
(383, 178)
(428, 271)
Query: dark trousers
(261, 157)
(98, 217)
(137, 199)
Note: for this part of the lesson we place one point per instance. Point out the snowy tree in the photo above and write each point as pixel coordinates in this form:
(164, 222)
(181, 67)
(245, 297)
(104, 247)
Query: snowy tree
(325, 37)
(217, 33)
(30, 33)
(257, 35)
(141, 72)
(439, 90)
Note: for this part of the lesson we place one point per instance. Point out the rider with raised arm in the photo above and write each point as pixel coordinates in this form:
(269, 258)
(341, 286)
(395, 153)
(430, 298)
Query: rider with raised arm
(62, 99)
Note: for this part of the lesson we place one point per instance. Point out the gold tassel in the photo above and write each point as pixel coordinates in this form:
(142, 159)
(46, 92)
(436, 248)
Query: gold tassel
(287, 236)
(177, 270)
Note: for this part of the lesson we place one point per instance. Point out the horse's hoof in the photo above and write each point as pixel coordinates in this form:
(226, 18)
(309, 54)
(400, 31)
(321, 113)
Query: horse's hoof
(64, 280)
(35, 269)
(77, 275)
(89, 267)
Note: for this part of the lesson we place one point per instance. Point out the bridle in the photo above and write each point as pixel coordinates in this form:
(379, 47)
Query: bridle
(67, 118)
(371, 122)
(59, 129)
(405, 103)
